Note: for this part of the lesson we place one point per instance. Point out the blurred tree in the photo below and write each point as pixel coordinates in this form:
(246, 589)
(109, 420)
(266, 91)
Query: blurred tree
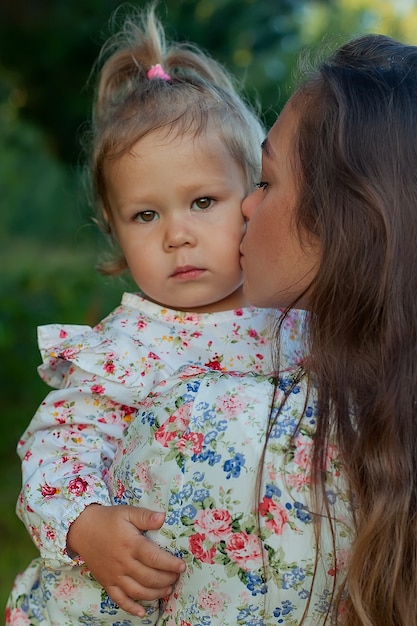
(48, 46)
(38, 191)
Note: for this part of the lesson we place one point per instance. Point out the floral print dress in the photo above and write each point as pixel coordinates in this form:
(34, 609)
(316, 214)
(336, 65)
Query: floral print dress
(103, 376)
(194, 451)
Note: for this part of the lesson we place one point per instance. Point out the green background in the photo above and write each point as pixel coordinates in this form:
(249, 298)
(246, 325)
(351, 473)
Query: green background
(48, 243)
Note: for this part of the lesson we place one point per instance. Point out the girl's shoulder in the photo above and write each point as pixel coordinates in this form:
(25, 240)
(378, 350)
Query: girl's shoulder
(103, 349)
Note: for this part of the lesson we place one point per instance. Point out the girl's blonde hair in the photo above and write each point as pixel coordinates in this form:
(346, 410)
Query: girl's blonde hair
(199, 96)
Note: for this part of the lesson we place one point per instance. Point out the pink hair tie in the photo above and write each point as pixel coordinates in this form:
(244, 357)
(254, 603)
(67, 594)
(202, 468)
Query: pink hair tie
(156, 71)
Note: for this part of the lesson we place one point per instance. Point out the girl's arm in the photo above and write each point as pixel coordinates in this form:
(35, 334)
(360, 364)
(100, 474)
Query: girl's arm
(66, 452)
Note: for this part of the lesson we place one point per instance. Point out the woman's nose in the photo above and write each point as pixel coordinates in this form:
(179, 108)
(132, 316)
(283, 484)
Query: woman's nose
(249, 204)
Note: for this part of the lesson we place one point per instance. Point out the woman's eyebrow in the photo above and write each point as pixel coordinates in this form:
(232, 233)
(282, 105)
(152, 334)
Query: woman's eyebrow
(267, 149)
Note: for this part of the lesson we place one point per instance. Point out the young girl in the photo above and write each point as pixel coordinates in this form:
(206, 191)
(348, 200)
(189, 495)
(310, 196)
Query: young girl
(174, 152)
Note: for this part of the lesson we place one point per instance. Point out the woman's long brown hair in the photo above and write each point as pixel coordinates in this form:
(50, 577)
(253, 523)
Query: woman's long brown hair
(355, 155)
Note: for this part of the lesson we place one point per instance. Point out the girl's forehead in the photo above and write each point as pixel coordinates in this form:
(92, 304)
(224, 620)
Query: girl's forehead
(199, 138)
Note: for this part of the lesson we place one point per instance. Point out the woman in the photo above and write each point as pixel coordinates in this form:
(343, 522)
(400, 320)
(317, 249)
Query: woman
(333, 229)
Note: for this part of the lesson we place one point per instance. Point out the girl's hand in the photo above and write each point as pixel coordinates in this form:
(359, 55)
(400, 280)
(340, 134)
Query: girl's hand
(129, 566)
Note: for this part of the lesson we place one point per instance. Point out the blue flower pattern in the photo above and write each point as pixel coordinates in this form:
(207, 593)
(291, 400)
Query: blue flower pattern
(247, 547)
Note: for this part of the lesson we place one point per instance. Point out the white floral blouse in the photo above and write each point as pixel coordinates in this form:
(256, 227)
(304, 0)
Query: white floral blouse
(104, 376)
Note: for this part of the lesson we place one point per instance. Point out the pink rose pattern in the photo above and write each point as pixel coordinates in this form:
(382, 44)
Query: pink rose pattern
(102, 375)
(192, 449)
(209, 495)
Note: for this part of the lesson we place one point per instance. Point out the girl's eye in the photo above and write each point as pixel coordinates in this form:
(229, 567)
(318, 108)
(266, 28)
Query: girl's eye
(146, 216)
(261, 185)
(202, 203)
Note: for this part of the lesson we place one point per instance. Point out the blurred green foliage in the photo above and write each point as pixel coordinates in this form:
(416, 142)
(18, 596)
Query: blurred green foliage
(48, 245)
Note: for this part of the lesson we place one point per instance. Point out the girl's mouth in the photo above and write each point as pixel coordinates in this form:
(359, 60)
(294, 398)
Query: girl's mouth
(187, 272)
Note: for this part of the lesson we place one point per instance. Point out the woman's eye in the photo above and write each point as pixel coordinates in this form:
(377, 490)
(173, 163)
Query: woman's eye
(146, 216)
(261, 185)
(202, 203)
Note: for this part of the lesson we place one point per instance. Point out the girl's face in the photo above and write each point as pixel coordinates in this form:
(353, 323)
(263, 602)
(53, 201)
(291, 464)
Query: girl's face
(278, 265)
(175, 208)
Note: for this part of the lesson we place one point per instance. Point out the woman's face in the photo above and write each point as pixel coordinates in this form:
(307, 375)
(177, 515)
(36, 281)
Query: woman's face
(278, 261)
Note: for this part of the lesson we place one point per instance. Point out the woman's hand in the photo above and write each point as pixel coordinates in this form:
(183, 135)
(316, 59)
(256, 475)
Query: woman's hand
(129, 566)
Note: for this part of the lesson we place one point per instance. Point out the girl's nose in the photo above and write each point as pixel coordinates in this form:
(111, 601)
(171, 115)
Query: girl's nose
(178, 233)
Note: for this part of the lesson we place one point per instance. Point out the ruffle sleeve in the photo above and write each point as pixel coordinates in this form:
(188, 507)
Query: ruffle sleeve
(71, 440)
(122, 364)
(53, 340)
